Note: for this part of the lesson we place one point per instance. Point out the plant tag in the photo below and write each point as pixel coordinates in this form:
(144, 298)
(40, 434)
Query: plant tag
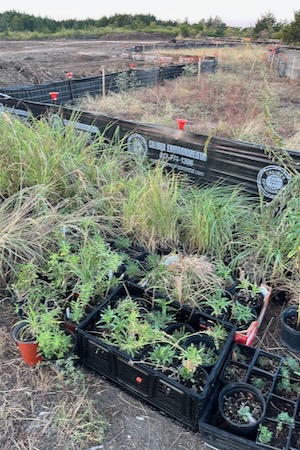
(68, 313)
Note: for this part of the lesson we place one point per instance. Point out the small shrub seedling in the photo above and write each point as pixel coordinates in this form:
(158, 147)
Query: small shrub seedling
(264, 434)
(245, 414)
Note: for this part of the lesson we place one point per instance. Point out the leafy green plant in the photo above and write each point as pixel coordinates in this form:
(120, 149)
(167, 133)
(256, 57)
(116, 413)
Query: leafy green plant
(241, 314)
(224, 271)
(248, 288)
(87, 268)
(264, 434)
(218, 304)
(259, 383)
(245, 414)
(290, 367)
(44, 326)
(163, 316)
(189, 70)
(284, 418)
(126, 81)
(219, 334)
(191, 358)
(126, 327)
(151, 211)
(162, 355)
(210, 217)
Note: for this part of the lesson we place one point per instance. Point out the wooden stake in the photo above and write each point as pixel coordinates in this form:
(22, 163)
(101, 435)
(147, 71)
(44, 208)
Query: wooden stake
(252, 67)
(293, 68)
(199, 68)
(272, 60)
(103, 83)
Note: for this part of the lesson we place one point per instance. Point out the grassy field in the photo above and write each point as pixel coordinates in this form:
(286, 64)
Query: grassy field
(244, 100)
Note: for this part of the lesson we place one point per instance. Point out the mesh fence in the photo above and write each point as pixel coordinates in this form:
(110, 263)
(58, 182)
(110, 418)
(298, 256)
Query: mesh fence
(287, 63)
(77, 88)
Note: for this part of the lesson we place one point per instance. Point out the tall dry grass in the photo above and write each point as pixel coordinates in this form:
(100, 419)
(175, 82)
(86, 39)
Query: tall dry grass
(230, 103)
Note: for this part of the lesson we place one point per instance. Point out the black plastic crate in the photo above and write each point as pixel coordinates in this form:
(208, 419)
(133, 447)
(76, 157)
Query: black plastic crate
(169, 396)
(213, 429)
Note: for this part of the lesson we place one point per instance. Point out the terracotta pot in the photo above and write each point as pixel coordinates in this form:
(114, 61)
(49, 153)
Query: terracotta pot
(28, 350)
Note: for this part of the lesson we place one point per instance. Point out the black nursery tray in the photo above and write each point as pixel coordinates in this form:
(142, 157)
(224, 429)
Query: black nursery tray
(170, 397)
(212, 427)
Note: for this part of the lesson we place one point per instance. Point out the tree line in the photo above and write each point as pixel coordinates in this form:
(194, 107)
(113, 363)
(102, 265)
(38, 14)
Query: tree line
(17, 25)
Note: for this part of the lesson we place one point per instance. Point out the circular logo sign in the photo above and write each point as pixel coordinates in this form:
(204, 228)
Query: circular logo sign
(137, 145)
(271, 179)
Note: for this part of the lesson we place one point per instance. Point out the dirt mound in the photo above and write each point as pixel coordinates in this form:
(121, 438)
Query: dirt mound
(136, 37)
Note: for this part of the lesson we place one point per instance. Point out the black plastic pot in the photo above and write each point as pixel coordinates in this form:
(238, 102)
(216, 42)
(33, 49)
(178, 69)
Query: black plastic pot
(245, 326)
(289, 336)
(199, 339)
(171, 329)
(242, 429)
(233, 372)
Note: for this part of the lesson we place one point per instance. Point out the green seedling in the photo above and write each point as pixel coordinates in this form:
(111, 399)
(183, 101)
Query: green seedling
(245, 414)
(264, 434)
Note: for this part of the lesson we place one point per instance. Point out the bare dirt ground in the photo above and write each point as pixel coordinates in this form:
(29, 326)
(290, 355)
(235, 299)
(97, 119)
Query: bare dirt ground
(34, 62)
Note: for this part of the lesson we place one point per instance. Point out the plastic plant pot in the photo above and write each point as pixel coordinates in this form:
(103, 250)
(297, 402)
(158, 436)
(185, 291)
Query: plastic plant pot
(290, 336)
(29, 350)
(202, 339)
(248, 394)
(178, 327)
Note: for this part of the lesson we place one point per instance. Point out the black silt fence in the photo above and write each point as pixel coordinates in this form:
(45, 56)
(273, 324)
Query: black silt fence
(76, 88)
(203, 158)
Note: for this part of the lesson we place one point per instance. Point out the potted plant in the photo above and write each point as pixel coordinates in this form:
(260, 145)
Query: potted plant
(225, 272)
(290, 327)
(261, 381)
(233, 372)
(242, 407)
(274, 434)
(268, 362)
(249, 293)
(290, 316)
(217, 305)
(241, 315)
(86, 272)
(42, 331)
(188, 279)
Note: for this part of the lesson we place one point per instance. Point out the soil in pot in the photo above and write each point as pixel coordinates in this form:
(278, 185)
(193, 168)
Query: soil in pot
(179, 330)
(268, 363)
(290, 368)
(245, 298)
(295, 440)
(197, 382)
(277, 405)
(289, 332)
(242, 354)
(210, 353)
(261, 381)
(242, 407)
(287, 388)
(278, 435)
(233, 372)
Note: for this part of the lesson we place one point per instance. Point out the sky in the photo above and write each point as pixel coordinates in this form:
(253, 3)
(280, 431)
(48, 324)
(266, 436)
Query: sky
(232, 12)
